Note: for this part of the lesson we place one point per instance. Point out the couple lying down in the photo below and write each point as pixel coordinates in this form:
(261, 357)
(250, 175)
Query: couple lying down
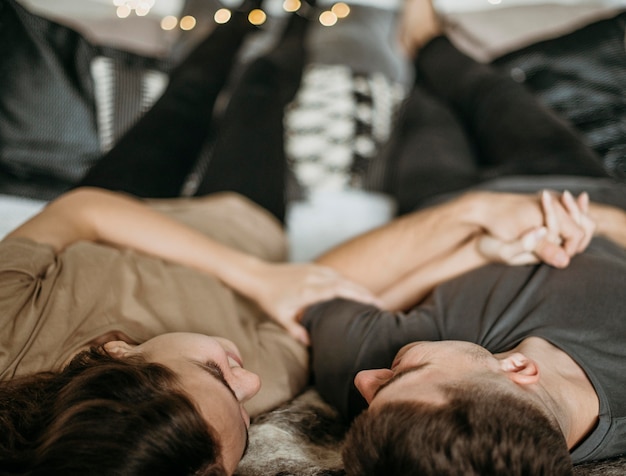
(480, 332)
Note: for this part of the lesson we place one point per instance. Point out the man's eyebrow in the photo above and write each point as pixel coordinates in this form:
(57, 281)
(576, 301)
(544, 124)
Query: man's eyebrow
(399, 375)
(215, 370)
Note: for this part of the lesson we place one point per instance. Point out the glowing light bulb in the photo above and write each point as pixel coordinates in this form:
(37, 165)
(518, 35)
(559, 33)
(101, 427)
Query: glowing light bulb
(187, 23)
(123, 11)
(142, 11)
(291, 6)
(328, 18)
(222, 16)
(169, 22)
(257, 17)
(341, 10)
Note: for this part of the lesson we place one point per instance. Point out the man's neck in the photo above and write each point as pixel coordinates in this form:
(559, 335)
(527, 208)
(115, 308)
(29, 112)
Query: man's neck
(564, 388)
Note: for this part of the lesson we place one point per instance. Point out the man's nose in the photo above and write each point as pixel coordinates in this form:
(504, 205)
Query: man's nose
(369, 381)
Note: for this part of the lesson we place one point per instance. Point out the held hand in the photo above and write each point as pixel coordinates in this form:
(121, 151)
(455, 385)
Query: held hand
(567, 231)
(570, 229)
(514, 253)
(285, 290)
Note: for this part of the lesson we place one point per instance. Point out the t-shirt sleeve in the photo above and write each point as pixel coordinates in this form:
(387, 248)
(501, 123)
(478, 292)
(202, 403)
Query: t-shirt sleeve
(22, 263)
(348, 337)
(23, 267)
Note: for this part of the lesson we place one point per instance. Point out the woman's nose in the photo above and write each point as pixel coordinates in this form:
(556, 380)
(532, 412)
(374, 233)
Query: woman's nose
(246, 384)
(369, 381)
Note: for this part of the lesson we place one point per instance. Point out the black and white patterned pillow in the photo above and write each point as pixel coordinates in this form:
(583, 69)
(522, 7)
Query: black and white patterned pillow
(336, 125)
(124, 89)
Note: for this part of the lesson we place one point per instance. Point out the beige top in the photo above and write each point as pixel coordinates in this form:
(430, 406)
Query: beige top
(53, 305)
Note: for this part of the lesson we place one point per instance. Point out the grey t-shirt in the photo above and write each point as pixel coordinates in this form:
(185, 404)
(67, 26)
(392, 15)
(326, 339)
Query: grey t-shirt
(580, 309)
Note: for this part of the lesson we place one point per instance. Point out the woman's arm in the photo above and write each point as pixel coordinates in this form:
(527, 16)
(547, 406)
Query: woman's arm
(118, 220)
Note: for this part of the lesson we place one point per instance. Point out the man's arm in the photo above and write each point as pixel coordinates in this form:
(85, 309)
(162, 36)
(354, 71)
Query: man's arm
(405, 259)
(91, 214)
(610, 222)
(348, 336)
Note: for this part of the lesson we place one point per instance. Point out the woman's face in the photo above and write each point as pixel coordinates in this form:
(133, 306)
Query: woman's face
(211, 372)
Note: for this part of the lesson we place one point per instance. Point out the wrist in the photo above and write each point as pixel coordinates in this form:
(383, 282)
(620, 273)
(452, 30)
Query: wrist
(473, 208)
(610, 222)
(250, 276)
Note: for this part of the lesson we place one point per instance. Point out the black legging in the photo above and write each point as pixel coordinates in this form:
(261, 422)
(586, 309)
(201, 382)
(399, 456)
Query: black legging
(466, 122)
(154, 158)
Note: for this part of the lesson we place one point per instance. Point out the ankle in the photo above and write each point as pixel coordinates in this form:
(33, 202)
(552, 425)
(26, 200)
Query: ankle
(419, 24)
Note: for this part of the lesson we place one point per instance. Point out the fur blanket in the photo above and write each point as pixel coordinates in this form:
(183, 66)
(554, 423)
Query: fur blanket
(304, 437)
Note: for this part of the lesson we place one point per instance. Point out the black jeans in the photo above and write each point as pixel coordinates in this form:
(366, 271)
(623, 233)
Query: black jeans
(466, 122)
(154, 158)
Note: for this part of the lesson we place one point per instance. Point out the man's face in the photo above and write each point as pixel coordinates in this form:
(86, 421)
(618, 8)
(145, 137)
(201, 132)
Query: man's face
(422, 369)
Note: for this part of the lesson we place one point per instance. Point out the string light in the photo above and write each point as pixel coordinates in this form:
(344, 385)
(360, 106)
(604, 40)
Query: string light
(291, 6)
(187, 23)
(257, 17)
(123, 11)
(341, 10)
(328, 18)
(223, 15)
(124, 8)
(169, 22)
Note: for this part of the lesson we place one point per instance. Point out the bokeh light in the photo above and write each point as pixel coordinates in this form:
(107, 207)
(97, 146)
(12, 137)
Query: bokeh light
(169, 22)
(341, 10)
(257, 17)
(291, 5)
(222, 16)
(187, 23)
(328, 18)
(123, 11)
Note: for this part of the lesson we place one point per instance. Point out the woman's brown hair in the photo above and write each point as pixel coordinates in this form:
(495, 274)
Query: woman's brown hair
(103, 416)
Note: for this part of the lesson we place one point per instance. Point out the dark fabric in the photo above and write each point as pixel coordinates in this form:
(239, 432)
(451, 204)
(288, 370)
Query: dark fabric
(47, 121)
(245, 144)
(249, 154)
(49, 132)
(155, 156)
(466, 122)
(578, 309)
(582, 76)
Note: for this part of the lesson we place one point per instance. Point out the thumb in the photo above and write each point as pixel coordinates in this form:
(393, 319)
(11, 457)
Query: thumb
(299, 333)
(514, 253)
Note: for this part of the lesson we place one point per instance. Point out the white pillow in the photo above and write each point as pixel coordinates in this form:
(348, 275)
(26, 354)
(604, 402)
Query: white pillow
(16, 210)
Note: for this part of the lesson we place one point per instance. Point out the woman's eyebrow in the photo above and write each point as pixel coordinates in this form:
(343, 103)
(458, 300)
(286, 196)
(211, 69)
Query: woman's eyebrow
(214, 369)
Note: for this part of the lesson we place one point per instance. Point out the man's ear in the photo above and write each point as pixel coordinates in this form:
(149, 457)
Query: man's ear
(520, 369)
(118, 349)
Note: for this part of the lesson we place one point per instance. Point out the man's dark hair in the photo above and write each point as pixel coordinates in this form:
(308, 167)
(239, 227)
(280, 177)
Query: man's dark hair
(479, 431)
(104, 416)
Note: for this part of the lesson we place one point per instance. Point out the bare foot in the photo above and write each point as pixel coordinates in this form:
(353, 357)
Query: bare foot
(418, 25)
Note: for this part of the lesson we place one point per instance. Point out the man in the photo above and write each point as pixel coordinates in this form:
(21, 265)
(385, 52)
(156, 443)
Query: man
(489, 369)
